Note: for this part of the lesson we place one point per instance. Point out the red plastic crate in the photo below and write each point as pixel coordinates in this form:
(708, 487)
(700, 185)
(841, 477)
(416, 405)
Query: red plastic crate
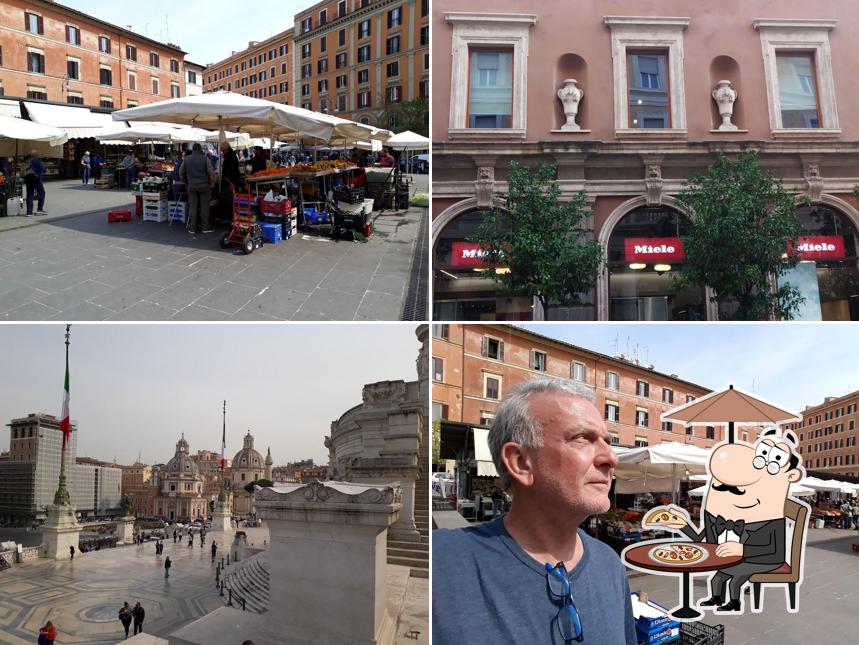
(276, 208)
(119, 216)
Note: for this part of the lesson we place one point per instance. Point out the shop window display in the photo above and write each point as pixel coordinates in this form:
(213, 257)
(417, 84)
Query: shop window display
(828, 272)
(643, 251)
(460, 290)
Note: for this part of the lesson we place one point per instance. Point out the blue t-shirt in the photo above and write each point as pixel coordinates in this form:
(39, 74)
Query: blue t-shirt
(487, 589)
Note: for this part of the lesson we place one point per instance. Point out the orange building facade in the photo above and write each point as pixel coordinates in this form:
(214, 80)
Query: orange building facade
(54, 53)
(357, 58)
(263, 70)
(474, 366)
(827, 436)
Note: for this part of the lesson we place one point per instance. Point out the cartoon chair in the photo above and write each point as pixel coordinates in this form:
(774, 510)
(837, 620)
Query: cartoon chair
(789, 573)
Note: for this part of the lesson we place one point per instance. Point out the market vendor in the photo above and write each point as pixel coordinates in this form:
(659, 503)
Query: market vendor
(258, 162)
(230, 167)
(385, 159)
(126, 170)
(179, 188)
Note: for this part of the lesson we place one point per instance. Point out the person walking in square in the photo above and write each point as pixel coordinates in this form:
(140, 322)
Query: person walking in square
(214, 550)
(190, 540)
(167, 565)
(199, 178)
(85, 167)
(125, 616)
(138, 613)
(33, 171)
(71, 551)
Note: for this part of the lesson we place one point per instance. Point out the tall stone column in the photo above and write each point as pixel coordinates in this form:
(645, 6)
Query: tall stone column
(328, 562)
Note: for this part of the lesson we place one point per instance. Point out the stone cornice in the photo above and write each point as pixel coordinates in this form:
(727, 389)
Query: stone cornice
(490, 18)
(764, 23)
(648, 21)
(332, 492)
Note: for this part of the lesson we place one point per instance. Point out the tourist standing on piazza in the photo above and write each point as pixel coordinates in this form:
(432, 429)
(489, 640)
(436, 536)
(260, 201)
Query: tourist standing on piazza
(47, 634)
(125, 616)
(167, 565)
(139, 614)
(531, 575)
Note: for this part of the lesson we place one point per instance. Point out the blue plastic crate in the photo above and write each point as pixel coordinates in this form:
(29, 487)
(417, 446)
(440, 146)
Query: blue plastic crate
(313, 216)
(271, 233)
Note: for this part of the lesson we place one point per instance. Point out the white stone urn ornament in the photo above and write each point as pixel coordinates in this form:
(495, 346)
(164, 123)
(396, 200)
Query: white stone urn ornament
(725, 97)
(571, 94)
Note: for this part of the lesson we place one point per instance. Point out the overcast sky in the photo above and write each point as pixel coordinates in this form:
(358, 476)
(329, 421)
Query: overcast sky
(208, 30)
(790, 364)
(136, 388)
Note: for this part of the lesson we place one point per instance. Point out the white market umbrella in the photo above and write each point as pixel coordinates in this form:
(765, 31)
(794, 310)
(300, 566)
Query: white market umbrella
(19, 136)
(828, 485)
(230, 111)
(659, 468)
(408, 140)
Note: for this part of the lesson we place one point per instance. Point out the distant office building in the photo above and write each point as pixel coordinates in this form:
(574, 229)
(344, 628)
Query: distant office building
(827, 436)
(29, 479)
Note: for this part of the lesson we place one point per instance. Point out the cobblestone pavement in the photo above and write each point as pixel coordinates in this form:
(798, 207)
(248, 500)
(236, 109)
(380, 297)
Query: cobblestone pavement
(82, 597)
(828, 598)
(78, 267)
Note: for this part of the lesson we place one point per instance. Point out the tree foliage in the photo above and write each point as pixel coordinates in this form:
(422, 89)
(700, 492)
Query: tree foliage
(436, 440)
(410, 115)
(544, 242)
(742, 239)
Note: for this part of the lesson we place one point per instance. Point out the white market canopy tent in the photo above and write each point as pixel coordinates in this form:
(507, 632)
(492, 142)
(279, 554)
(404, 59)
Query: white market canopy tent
(230, 111)
(18, 136)
(796, 490)
(408, 140)
(78, 123)
(658, 468)
(828, 485)
(482, 454)
(9, 107)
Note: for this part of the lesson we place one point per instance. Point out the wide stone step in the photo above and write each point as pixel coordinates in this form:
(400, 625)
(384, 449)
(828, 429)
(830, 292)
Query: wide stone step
(408, 553)
(400, 544)
(418, 573)
(409, 562)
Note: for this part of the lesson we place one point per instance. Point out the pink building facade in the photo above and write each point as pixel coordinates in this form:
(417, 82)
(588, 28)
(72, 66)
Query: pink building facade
(631, 99)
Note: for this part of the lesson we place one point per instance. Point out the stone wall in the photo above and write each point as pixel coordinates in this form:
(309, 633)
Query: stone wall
(8, 557)
(29, 553)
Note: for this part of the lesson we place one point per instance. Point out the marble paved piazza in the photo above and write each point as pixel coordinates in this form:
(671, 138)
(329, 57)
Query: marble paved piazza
(83, 597)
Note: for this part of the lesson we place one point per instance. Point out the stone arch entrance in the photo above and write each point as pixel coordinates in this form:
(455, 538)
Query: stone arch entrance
(641, 245)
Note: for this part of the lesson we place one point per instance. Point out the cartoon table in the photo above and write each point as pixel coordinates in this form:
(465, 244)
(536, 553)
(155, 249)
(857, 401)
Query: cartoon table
(639, 556)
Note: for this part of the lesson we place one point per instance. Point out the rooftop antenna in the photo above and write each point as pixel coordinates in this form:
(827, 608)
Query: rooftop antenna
(166, 28)
(616, 344)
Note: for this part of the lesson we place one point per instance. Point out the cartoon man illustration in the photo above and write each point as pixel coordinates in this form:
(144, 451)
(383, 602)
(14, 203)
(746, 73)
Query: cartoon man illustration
(743, 512)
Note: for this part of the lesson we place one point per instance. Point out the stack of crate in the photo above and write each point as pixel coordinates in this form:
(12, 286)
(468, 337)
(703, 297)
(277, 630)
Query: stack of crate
(155, 207)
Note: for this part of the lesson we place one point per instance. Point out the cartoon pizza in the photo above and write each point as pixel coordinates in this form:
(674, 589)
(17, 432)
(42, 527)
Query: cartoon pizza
(664, 516)
(677, 553)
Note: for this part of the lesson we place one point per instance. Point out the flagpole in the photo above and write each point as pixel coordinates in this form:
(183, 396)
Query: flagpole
(62, 495)
(222, 496)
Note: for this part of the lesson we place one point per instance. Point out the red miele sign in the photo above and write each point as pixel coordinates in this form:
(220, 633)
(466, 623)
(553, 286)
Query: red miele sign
(820, 247)
(653, 249)
(466, 254)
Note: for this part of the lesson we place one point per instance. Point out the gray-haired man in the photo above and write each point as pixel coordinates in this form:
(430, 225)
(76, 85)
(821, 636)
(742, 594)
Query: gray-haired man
(532, 576)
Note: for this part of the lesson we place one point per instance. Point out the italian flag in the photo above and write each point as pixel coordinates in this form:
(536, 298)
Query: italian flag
(65, 423)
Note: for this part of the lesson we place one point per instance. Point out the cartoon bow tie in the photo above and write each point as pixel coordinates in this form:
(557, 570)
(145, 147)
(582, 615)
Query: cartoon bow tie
(729, 525)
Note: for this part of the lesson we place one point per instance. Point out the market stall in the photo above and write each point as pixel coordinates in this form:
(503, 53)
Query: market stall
(18, 137)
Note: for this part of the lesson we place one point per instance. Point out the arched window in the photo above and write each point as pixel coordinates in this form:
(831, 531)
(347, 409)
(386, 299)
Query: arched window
(643, 250)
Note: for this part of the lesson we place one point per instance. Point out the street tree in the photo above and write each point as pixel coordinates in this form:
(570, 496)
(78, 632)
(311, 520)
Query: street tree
(743, 238)
(538, 244)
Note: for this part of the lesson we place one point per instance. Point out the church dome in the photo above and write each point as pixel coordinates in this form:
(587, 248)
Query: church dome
(247, 457)
(181, 463)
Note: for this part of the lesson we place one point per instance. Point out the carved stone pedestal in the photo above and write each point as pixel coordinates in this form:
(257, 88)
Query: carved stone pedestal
(125, 530)
(328, 562)
(60, 531)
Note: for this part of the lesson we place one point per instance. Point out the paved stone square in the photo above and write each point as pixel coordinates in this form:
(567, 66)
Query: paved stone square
(71, 266)
(82, 597)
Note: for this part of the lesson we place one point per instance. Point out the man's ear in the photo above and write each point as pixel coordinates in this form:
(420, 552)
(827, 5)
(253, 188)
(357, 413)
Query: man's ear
(518, 462)
(794, 475)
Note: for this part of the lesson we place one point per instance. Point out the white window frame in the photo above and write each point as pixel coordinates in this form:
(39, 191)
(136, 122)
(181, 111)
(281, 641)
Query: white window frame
(434, 373)
(584, 369)
(608, 380)
(646, 418)
(534, 365)
(499, 378)
(509, 30)
(646, 32)
(616, 406)
(641, 442)
(802, 36)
